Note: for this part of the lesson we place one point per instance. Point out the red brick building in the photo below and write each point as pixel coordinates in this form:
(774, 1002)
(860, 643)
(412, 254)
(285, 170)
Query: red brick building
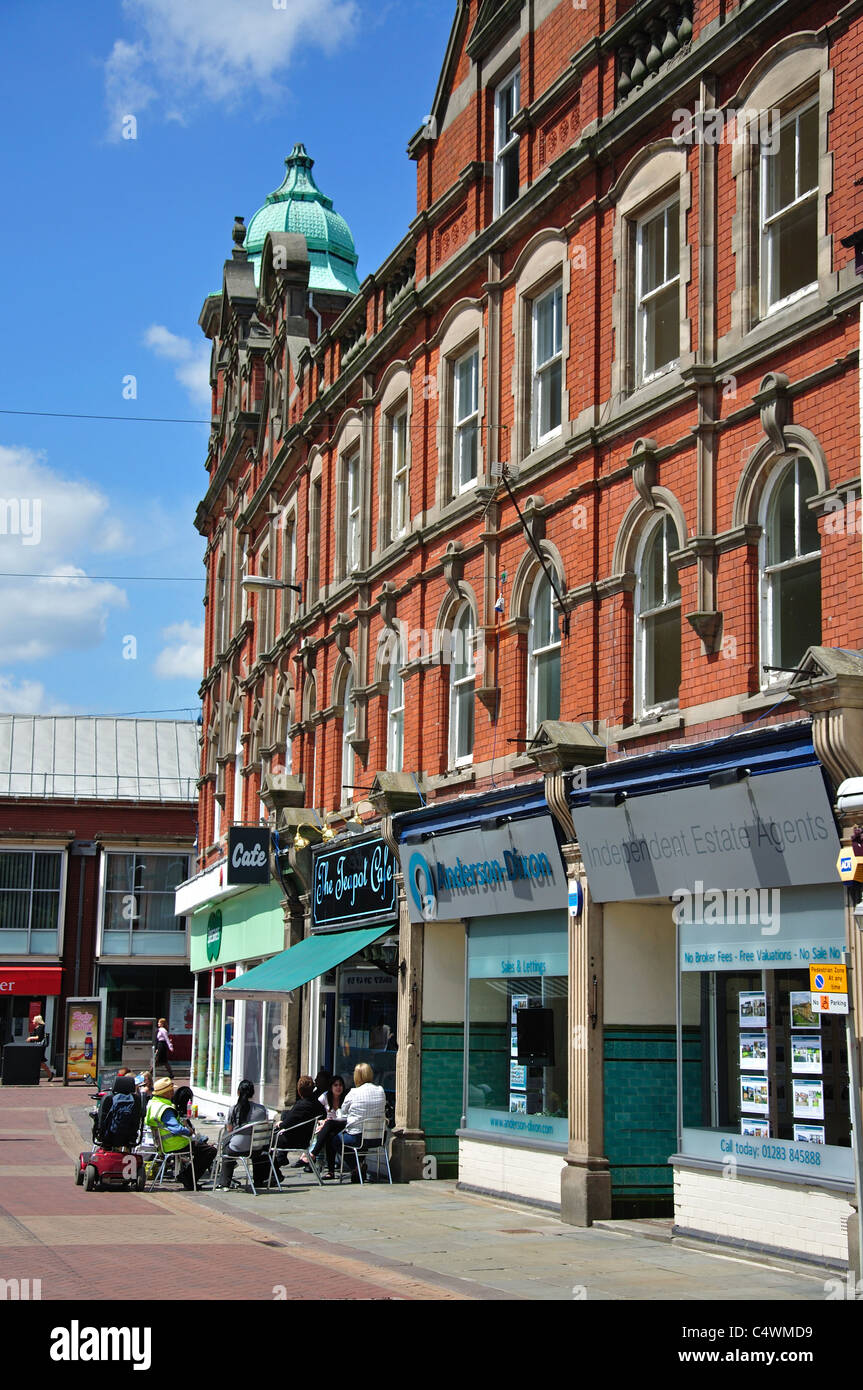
(97, 828)
(574, 477)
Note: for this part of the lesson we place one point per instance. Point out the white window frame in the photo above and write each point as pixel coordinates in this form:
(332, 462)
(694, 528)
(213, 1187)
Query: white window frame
(642, 615)
(503, 146)
(458, 686)
(534, 652)
(540, 371)
(642, 297)
(264, 610)
(399, 491)
(768, 573)
(465, 419)
(353, 513)
(12, 848)
(770, 224)
(137, 852)
(237, 806)
(395, 719)
(349, 728)
(289, 547)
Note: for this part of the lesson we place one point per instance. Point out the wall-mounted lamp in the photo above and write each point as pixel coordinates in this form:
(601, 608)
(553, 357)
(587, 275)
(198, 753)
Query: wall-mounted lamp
(728, 777)
(262, 583)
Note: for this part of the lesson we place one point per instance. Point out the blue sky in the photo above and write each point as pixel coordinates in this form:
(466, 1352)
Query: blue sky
(111, 245)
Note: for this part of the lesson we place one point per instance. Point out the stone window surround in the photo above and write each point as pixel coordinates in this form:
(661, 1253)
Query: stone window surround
(642, 710)
(648, 182)
(522, 602)
(542, 264)
(793, 71)
(314, 579)
(461, 329)
(396, 396)
(347, 444)
(287, 525)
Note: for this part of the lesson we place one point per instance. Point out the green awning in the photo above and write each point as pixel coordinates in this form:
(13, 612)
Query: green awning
(295, 967)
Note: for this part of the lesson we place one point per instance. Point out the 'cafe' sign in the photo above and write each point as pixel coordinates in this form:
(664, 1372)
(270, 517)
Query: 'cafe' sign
(248, 854)
(354, 886)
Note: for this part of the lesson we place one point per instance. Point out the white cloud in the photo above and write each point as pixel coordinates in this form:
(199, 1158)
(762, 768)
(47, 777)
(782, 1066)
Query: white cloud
(42, 617)
(182, 658)
(191, 361)
(190, 51)
(28, 697)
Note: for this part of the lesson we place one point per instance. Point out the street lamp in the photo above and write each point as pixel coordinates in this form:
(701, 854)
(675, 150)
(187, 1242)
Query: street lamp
(261, 583)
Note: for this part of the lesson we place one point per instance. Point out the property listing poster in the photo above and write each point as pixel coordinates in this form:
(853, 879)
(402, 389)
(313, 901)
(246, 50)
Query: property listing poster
(517, 1074)
(83, 1022)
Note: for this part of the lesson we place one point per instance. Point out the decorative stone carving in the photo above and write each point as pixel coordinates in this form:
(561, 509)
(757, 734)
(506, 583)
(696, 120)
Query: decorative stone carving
(708, 626)
(342, 632)
(642, 461)
(453, 567)
(772, 400)
(387, 603)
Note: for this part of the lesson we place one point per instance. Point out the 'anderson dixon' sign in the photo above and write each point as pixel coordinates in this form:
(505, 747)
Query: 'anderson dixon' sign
(248, 855)
(354, 886)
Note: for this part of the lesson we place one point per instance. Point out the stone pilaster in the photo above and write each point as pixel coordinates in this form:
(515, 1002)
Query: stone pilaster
(409, 1143)
(585, 1185)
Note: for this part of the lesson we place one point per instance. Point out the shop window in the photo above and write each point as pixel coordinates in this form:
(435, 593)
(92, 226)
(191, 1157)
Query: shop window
(762, 1064)
(789, 210)
(791, 570)
(543, 661)
(547, 358)
(462, 686)
(657, 618)
(365, 1003)
(657, 291)
(395, 718)
(30, 898)
(517, 1067)
(465, 420)
(138, 913)
(506, 104)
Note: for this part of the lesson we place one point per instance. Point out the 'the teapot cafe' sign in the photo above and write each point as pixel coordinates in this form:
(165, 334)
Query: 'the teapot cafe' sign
(353, 885)
(248, 854)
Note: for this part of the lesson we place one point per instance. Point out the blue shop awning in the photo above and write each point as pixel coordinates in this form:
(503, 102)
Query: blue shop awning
(291, 969)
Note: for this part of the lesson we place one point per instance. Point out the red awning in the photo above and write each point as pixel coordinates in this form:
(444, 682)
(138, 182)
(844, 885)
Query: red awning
(30, 979)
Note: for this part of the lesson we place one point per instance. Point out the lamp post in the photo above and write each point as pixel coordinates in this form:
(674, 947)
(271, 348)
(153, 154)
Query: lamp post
(262, 583)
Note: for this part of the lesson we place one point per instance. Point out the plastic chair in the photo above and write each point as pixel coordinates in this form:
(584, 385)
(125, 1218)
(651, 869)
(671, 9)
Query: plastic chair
(374, 1140)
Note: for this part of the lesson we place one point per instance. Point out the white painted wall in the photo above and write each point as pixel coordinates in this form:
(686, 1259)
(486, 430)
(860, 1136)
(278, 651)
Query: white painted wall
(443, 973)
(803, 1220)
(511, 1172)
(639, 969)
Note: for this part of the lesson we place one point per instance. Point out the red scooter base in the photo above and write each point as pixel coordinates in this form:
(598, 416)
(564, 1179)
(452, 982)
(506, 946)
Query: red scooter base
(104, 1168)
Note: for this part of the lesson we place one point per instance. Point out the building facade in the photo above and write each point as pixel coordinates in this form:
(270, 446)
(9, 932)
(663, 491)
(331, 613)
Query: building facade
(555, 512)
(97, 829)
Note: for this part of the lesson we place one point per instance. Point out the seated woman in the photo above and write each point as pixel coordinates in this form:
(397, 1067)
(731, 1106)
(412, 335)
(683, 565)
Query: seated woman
(331, 1101)
(297, 1124)
(365, 1102)
(245, 1112)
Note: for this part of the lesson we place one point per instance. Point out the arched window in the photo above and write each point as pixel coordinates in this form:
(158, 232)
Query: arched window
(237, 816)
(790, 568)
(310, 705)
(462, 682)
(349, 728)
(657, 619)
(395, 718)
(543, 657)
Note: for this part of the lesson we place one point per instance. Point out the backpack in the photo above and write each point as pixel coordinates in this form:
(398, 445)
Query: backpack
(122, 1123)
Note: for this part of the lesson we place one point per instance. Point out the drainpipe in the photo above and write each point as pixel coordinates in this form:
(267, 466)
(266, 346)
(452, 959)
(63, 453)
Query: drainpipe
(316, 314)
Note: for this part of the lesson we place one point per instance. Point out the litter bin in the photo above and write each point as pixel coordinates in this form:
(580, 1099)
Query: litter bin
(22, 1064)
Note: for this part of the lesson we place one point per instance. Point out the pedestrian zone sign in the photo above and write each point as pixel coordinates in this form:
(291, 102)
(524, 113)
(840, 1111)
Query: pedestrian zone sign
(829, 986)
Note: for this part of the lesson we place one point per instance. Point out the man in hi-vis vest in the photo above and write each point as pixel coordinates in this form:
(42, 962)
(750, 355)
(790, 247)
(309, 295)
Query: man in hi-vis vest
(162, 1117)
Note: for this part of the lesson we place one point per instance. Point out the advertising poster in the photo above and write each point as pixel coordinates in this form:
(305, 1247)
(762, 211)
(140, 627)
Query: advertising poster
(83, 1019)
(806, 1055)
(753, 1010)
(517, 1104)
(180, 1012)
(754, 1094)
(809, 1134)
(802, 1013)
(518, 1001)
(755, 1129)
(808, 1100)
(753, 1051)
(517, 1077)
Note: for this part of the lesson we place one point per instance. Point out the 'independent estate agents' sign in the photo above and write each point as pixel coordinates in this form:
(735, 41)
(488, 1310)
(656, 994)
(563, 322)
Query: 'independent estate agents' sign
(354, 886)
(490, 869)
(775, 830)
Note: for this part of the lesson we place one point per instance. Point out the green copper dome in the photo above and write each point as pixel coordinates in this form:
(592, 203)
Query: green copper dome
(300, 206)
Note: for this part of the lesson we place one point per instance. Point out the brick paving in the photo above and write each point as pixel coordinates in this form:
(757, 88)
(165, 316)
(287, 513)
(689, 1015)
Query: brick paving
(128, 1245)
